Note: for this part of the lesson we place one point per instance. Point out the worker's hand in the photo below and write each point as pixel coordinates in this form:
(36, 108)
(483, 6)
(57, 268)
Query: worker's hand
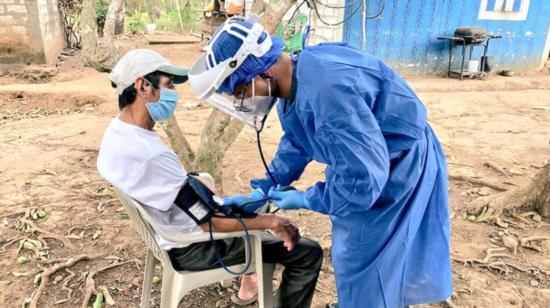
(264, 184)
(287, 231)
(288, 199)
(249, 203)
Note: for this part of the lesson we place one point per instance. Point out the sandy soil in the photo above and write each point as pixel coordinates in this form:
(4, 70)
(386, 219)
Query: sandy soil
(50, 133)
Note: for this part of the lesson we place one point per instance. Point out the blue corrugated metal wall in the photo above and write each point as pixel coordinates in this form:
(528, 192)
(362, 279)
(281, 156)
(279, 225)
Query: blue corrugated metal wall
(405, 35)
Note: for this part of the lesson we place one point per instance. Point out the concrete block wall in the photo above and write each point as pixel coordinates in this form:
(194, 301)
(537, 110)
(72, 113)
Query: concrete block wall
(30, 31)
(322, 32)
(51, 29)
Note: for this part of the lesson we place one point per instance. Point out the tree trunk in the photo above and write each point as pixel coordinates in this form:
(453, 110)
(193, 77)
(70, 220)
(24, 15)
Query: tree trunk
(88, 22)
(105, 55)
(533, 196)
(220, 130)
(119, 25)
(156, 9)
(179, 143)
(217, 136)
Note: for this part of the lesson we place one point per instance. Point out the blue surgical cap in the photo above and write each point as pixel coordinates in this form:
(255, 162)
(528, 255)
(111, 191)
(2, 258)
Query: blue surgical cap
(227, 45)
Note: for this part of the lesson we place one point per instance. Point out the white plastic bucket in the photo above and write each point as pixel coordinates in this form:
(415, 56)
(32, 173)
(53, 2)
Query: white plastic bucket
(473, 66)
(151, 28)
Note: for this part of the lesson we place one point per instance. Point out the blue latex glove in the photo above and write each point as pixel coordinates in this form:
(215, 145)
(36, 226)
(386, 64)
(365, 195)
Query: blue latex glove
(250, 202)
(264, 184)
(288, 199)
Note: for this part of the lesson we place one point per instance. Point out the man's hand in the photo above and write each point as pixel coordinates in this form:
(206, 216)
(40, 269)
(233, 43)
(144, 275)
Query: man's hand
(287, 231)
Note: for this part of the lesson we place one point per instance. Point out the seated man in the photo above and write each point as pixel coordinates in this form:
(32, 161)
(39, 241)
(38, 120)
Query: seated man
(133, 158)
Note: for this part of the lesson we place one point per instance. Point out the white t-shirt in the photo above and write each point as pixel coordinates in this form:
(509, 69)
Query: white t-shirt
(136, 161)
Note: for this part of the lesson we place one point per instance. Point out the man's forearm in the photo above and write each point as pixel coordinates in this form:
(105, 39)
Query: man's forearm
(260, 222)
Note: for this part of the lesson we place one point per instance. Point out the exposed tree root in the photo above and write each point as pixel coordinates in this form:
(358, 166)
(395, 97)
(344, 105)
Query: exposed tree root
(30, 226)
(65, 287)
(489, 254)
(90, 288)
(500, 266)
(496, 168)
(514, 243)
(450, 304)
(9, 242)
(45, 276)
(108, 298)
(534, 270)
(526, 240)
(13, 214)
(524, 220)
(533, 196)
(476, 181)
(101, 206)
(81, 227)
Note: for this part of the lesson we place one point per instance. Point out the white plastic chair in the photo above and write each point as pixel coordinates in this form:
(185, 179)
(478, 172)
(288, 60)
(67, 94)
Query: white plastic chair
(176, 284)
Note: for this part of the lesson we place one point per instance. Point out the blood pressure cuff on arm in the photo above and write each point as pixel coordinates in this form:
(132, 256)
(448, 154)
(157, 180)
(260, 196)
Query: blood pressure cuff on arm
(196, 200)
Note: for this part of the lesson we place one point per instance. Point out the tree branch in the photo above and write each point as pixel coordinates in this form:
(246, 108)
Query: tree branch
(230, 134)
(179, 143)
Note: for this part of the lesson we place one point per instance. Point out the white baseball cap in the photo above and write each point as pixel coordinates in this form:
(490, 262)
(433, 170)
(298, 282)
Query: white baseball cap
(140, 62)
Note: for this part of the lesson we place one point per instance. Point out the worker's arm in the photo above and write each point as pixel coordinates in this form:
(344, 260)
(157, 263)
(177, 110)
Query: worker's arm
(358, 165)
(286, 230)
(282, 227)
(287, 165)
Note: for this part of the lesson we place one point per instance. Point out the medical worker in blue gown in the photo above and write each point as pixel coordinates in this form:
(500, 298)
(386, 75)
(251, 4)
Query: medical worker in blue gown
(385, 186)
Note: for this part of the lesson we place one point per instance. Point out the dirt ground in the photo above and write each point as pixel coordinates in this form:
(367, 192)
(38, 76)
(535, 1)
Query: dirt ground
(49, 137)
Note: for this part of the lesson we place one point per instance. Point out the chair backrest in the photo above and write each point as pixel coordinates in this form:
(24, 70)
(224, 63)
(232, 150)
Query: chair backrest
(142, 226)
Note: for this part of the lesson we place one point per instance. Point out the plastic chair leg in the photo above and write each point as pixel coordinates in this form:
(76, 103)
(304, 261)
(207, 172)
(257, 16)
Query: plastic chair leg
(267, 286)
(174, 288)
(265, 289)
(226, 283)
(148, 279)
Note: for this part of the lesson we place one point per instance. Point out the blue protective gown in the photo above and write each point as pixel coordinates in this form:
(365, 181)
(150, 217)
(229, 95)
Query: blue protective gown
(386, 181)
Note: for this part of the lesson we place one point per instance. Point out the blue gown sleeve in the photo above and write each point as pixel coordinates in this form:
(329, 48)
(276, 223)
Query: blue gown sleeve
(287, 165)
(357, 159)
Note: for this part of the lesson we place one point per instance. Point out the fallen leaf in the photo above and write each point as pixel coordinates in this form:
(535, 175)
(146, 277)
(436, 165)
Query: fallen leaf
(98, 303)
(42, 214)
(22, 260)
(156, 280)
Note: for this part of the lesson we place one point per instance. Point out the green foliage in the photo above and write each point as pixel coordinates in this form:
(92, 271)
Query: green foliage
(191, 14)
(169, 19)
(70, 18)
(166, 17)
(137, 21)
(101, 9)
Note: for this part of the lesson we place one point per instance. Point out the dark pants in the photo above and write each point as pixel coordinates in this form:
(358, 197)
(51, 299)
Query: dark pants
(302, 264)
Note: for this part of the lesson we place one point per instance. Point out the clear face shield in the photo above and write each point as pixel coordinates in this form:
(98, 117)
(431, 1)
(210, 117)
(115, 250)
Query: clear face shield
(255, 105)
(207, 74)
(242, 109)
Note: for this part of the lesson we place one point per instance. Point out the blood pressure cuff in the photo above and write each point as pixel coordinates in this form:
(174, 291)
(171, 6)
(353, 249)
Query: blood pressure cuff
(196, 200)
